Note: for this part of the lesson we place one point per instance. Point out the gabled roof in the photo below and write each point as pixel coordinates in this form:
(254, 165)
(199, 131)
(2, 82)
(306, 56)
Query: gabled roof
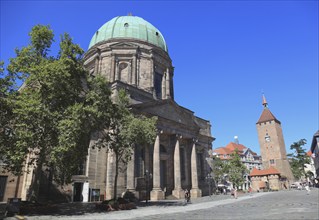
(232, 146)
(270, 171)
(222, 150)
(266, 116)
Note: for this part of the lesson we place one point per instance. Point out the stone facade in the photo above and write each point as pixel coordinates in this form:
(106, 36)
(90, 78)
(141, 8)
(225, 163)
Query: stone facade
(177, 159)
(267, 179)
(10, 185)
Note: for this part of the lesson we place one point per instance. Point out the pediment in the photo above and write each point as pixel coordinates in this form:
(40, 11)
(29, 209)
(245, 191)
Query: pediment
(123, 45)
(168, 110)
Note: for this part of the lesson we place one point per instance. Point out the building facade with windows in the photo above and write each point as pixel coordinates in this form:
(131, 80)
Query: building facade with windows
(248, 157)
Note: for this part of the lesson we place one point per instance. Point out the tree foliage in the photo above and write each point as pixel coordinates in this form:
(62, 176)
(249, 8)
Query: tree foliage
(236, 169)
(298, 159)
(218, 168)
(48, 123)
(56, 109)
(7, 93)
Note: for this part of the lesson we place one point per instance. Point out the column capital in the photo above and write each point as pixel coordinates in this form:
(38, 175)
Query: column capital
(159, 131)
(194, 140)
(179, 136)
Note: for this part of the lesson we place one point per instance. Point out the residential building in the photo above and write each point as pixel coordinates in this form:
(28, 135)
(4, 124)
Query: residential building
(248, 157)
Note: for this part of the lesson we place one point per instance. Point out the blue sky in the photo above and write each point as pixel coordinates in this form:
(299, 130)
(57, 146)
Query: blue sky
(225, 54)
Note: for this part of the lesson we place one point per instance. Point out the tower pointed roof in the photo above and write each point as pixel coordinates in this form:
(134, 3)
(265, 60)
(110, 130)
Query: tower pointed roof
(265, 104)
(266, 115)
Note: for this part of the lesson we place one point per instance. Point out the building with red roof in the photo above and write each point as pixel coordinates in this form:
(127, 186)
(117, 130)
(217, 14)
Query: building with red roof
(248, 157)
(266, 179)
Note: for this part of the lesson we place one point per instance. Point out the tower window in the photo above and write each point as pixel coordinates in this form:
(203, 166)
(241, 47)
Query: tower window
(272, 162)
(156, 33)
(126, 25)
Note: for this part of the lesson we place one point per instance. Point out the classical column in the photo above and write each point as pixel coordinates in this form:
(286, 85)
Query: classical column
(167, 81)
(157, 193)
(130, 172)
(109, 191)
(195, 191)
(130, 72)
(138, 61)
(178, 192)
(117, 70)
(164, 86)
(152, 72)
(113, 67)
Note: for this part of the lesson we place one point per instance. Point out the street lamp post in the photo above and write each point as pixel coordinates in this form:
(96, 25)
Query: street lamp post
(147, 176)
(209, 178)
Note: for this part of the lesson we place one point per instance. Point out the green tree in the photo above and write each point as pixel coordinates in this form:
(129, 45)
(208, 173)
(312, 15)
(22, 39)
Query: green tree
(6, 93)
(127, 130)
(218, 168)
(56, 110)
(236, 169)
(298, 158)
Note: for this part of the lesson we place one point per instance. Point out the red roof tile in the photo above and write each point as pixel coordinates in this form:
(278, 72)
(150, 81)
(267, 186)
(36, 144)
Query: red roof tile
(232, 146)
(270, 171)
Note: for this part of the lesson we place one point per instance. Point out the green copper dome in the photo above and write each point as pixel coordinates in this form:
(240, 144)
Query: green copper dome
(129, 27)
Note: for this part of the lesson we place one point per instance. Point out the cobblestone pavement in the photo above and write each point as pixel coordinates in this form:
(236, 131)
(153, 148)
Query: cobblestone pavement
(292, 204)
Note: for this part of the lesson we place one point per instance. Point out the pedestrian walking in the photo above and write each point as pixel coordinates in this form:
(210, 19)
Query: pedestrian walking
(308, 189)
(250, 191)
(187, 196)
(235, 192)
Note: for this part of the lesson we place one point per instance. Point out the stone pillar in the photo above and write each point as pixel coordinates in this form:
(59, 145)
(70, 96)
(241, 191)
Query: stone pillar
(137, 70)
(109, 191)
(130, 172)
(178, 192)
(195, 191)
(117, 70)
(134, 67)
(130, 72)
(113, 67)
(157, 193)
(96, 65)
(167, 87)
(164, 86)
(152, 72)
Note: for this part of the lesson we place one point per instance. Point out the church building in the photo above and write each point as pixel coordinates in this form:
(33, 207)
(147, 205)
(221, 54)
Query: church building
(132, 55)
